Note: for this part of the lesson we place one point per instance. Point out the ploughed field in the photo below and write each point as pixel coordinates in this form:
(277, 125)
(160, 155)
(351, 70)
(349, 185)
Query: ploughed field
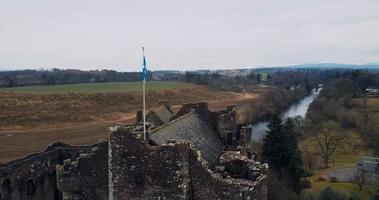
(33, 117)
(59, 104)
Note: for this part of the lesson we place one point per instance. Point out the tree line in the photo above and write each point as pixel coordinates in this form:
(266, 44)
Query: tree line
(341, 105)
(65, 76)
(285, 78)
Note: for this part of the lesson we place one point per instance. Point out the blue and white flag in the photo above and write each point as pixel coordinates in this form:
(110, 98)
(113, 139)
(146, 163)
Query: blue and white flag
(144, 70)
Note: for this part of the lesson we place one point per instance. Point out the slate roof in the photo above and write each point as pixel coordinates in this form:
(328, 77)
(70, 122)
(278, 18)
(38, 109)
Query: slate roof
(192, 129)
(163, 113)
(369, 164)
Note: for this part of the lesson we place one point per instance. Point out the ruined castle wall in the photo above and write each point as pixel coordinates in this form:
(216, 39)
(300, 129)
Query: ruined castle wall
(208, 185)
(85, 177)
(141, 171)
(34, 177)
(172, 171)
(246, 146)
(227, 125)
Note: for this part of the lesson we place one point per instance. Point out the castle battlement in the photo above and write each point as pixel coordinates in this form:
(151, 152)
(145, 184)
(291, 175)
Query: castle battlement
(197, 154)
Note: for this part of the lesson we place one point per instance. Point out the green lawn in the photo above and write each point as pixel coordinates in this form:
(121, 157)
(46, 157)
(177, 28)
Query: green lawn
(97, 87)
(346, 157)
(344, 187)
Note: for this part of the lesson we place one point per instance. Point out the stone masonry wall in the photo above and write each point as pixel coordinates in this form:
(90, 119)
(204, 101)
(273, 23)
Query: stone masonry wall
(141, 171)
(31, 179)
(227, 125)
(209, 185)
(172, 171)
(34, 177)
(85, 177)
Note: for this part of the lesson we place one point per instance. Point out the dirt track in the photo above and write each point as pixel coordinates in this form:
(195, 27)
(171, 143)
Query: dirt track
(19, 143)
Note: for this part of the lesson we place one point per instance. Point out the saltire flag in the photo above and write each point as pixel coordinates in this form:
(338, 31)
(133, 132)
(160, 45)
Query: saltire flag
(144, 70)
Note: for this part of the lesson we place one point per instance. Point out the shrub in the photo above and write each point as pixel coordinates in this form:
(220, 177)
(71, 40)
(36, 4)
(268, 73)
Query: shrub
(375, 197)
(305, 183)
(278, 190)
(333, 179)
(355, 196)
(321, 178)
(307, 173)
(330, 194)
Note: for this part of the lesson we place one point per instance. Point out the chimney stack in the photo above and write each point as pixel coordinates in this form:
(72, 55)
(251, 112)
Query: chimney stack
(166, 103)
(139, 117)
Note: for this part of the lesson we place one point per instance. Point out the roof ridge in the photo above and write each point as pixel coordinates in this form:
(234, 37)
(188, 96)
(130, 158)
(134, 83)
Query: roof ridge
(172, 122)
(202, 120)
(156, 108)
(210, 127)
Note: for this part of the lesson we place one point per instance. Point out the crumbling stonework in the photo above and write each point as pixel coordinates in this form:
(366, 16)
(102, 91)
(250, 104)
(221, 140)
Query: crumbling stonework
(141, 171)
(227, 125)
(245, 145)
(174, 164)
(34, 177)
(85, 177)
(236, 165)
(174, 171)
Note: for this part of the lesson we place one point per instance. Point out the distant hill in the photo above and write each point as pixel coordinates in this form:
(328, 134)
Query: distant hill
(372, 67)
(337, 65)
(29, 77)
(373, 63)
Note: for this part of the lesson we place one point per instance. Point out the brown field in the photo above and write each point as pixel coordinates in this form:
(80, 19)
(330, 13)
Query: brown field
(29, 122)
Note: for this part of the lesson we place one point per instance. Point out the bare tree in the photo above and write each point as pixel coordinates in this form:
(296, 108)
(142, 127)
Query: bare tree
(366, 122)
(299, 122)
(328, 141)
(360, 178)
(309, 159)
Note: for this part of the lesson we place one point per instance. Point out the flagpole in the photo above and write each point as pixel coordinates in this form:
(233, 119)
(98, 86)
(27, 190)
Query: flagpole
(144, 111)
(144, 97)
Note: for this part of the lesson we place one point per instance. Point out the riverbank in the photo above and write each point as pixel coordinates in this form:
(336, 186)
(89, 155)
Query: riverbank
(298, 107)
(341, 113)
(274, 100)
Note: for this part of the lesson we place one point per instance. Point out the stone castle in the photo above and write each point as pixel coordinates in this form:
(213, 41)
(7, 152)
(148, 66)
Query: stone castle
(191, 154)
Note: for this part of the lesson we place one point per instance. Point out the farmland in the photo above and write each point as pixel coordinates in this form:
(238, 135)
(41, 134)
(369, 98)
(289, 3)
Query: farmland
(34, 117)
(96, 87)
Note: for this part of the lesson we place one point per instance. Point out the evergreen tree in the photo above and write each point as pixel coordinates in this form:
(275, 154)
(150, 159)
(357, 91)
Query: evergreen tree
(274, 145)
(280, 150)
(295, 166)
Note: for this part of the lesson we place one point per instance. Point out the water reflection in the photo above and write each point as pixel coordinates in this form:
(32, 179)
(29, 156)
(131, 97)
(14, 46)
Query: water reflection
(299, 108)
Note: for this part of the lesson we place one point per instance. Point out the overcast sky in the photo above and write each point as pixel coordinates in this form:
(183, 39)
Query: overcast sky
(186, 34)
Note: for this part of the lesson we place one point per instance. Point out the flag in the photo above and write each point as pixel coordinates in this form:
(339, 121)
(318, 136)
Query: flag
(144, 77)
(144, 70)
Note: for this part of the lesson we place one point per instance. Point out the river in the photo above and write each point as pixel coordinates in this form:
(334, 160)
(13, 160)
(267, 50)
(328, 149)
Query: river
(299, 108)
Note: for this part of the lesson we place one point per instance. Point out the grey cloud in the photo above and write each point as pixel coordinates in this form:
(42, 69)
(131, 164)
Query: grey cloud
(182, 34)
